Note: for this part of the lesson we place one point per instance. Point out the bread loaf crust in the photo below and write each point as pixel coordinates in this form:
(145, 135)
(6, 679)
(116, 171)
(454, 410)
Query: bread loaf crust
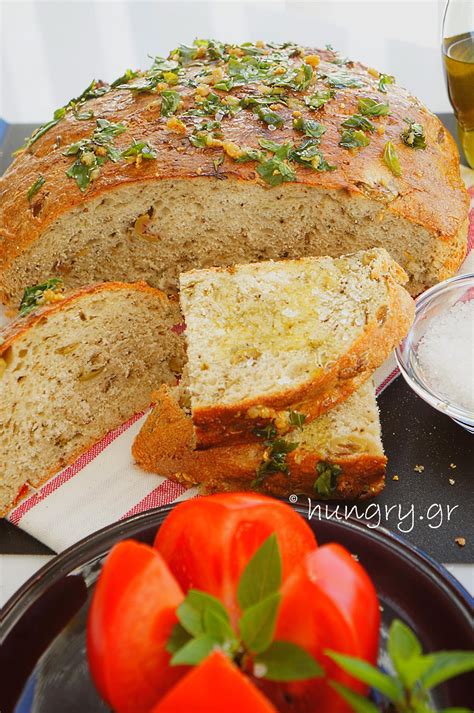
(164, 446)
(429, 193)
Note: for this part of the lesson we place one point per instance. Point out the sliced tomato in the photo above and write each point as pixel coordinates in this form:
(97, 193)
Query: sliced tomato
(329, 602)
(207, 542)
(215, 686)
(130, 619)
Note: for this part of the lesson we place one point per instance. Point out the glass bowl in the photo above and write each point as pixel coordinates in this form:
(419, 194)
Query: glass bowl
(43, 644)
(429, 306)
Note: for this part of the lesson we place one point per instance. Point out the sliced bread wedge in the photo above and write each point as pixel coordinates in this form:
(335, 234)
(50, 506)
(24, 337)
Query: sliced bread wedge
(270, 338)
(339, 455)
(76, 368)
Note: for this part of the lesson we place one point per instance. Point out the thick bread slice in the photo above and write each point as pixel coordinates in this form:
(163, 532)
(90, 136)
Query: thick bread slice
(298, 335)
(347, 436)
(194, 203)
(73, 370)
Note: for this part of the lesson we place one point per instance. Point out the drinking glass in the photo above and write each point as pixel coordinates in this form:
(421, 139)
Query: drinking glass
(458, 59)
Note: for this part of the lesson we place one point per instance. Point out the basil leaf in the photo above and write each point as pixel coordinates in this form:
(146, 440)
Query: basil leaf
(125, 78)
(33, 189)
(328, 474)
(340, 80)
(402, 643)
(270, 117)
(310, 156)
(190, 612)
(446, 665)
(353, 139)
(257, 623)
(363, 671)
(391, 159)
(385, 79)
(359, 703)
(371, 107)
(140, 149)
(297, 419)
(274, 172)
(262, 574)
(319, 98)
(357, 121)
(34, 294)
(169, 102)
(178, 638)
(285, 661)
(309, 127)
(414, 135)
(195, 651)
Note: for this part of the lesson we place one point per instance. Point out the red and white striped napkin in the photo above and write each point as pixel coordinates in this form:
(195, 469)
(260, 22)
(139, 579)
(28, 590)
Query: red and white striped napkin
(104, 485)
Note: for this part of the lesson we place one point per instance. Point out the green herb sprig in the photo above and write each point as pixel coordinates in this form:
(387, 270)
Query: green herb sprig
(327, 480)
(91, 154)
(414, 135)
(391, 159)
(33, 295)
(407, 690)
(372, 107)
(204, 625)
(35, 187)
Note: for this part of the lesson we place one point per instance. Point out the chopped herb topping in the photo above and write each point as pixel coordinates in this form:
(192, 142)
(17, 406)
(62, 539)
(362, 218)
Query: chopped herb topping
(309, 127)
(83, 115)
(35, 295)
(170, 101)
(309, 155)
(319, 98)
(40, 181)
(391, 159)
(206, 133)
(162, 71)
(275, 171)
(274, 460)
(326, 482)
(126, 77)
(296, 419)
(267, 432)
(340, 80)
(371, 107)
(384, 80)
(353, 139)
(92, 153)
(414, 135)
(357, 121)
(139, 150)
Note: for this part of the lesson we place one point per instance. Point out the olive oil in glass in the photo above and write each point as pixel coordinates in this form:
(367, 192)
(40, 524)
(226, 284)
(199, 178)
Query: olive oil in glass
(459, 65)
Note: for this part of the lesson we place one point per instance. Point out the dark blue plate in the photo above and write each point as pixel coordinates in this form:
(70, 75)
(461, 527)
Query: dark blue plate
(43, 656)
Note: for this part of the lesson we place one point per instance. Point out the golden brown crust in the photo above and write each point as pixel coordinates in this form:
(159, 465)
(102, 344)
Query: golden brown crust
(429, 193)
(15, 329)
(232, 424)
(164, 446)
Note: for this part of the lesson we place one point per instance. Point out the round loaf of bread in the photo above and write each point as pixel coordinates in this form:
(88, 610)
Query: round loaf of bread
(225, 154)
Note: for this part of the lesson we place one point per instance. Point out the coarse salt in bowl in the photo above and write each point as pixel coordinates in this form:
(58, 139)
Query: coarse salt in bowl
(436, 358)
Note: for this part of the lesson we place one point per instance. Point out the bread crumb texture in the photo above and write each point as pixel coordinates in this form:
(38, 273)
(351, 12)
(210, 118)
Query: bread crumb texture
(72, 371)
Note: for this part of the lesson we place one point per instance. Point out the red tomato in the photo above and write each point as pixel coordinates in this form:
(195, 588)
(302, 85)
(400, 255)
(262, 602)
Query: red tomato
(215, 686)
(130, 619)
(207, 542)
(328, 603)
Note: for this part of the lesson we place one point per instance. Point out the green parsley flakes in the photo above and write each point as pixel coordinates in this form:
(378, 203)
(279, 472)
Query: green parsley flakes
(91, 154)
(357, 121)
(319, 98)
(391, 159)
(35, 187)
(275, 171)
(384, 80)
(309, 127)
(327, 480)
(139, 150)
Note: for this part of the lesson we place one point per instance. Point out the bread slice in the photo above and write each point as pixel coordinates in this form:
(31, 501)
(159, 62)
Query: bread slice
(73, 370)
(346, 439)
(299, 335)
